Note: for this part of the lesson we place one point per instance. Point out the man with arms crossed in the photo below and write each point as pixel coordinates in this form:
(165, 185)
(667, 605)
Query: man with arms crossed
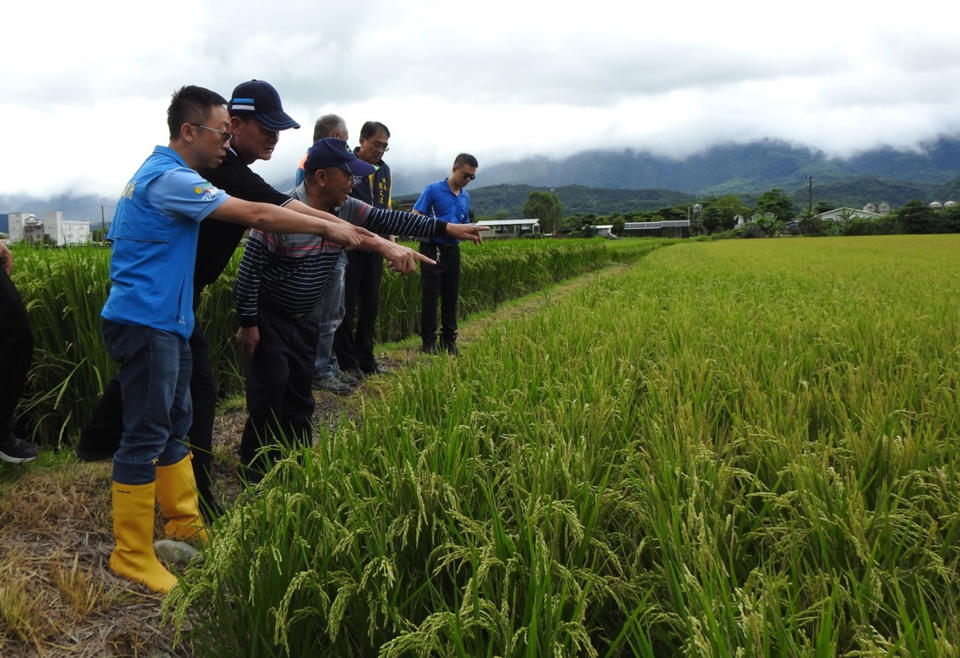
(449, 201)
(354, 345)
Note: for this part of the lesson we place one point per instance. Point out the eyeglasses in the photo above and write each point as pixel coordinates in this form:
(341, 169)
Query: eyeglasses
(380, 146)
(470, 176)
(225, 135)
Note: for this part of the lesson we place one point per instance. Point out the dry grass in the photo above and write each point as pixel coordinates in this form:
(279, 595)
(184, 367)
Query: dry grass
(80, 588)
(58, 598)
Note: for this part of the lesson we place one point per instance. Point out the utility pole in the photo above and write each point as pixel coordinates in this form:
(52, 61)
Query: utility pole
(810, 194)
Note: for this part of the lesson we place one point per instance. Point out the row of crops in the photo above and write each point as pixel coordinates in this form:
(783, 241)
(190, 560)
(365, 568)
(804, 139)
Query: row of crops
(64, 291)
(741, 448)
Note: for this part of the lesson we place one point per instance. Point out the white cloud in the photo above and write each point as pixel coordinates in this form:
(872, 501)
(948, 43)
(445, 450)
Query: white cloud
(501, 79)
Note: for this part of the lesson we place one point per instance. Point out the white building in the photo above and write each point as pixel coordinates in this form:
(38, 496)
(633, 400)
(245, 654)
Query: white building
(676, 228)
(25, 225)
(843, 214)
(510, 228)
(605, 231)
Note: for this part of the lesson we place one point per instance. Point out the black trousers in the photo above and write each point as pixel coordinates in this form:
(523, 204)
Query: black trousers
(102, 432)
(441, 280)
(279, 388)
(361, 301)
(16, 350)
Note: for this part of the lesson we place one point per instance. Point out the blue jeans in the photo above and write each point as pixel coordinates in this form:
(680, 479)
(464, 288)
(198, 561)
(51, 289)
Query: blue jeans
(155, 388)
(329, 315)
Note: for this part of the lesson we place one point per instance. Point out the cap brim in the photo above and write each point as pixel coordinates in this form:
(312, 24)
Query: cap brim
(276, 121)
(360, 167)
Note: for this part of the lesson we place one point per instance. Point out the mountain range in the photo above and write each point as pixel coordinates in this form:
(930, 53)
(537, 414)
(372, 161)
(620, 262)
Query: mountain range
(608, 181)
(629, 179)
(731, 168)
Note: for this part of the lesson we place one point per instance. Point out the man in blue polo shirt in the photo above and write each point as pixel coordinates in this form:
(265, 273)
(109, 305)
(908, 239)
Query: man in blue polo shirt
(449, 201)
(148, 319)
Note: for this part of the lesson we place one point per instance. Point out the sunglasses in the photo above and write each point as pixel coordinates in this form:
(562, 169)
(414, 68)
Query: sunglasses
(225, 135)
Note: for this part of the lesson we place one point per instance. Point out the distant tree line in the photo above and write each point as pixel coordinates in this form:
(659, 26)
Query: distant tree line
(772, 213)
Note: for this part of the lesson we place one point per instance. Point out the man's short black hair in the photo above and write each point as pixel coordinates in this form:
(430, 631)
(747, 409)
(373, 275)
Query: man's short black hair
(465, 159)
(327, 125)
(371, 128)
(191, 104)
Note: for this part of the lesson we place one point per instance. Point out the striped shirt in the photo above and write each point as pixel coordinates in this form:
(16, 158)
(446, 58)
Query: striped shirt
(289, 272)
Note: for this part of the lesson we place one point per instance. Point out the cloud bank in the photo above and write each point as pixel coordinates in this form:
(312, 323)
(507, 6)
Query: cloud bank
(503, 80)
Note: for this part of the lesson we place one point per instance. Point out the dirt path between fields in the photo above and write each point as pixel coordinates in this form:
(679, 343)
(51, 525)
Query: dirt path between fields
(57, 596)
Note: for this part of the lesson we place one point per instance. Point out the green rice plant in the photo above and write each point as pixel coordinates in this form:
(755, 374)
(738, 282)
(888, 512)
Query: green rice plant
(65, 289)
(63, 292)
(734, 449)
(500, 270)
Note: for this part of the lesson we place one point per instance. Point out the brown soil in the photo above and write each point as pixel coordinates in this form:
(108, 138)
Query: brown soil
(57, 596)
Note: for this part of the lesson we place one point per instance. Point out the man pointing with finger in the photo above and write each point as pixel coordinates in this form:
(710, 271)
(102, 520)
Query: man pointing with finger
(148, 320)
(281, 280)
(256, 119)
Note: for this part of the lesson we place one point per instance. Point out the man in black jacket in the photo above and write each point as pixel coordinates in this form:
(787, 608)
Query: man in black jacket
(354, 344)
(16, 352)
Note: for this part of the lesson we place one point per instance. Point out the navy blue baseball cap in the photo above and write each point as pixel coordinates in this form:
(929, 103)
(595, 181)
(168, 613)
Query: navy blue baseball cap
(260, 99)
(333, 152)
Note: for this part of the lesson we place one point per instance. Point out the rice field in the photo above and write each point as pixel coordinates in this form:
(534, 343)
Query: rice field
(737, 448)
(65, 289)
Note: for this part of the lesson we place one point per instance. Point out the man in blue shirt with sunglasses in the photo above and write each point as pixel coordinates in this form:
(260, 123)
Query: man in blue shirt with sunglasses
(449, 201)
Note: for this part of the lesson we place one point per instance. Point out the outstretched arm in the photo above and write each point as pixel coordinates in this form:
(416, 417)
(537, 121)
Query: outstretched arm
(277, 219)
(470, 232)
(363, 235)
(399, 258)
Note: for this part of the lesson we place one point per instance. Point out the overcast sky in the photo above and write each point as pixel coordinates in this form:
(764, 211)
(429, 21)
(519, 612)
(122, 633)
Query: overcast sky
(86, 85)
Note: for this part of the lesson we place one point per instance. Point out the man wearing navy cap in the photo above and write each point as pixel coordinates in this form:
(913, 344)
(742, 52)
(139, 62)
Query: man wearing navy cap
(280, 282)
(256, 115)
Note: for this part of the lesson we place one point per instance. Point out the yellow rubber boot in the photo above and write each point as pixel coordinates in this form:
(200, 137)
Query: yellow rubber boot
(177, 495)
(133, 556)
